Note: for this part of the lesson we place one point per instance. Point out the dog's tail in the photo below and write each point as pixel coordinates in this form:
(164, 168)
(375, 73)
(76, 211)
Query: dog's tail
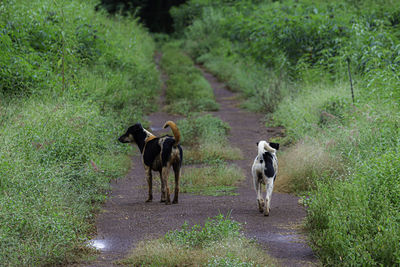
(263, 145)
(175, 131)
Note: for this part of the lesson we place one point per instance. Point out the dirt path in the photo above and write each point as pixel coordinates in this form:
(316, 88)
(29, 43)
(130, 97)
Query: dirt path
(126, 219)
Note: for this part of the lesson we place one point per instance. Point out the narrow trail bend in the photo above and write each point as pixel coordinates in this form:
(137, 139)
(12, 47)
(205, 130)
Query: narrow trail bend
(126, 219)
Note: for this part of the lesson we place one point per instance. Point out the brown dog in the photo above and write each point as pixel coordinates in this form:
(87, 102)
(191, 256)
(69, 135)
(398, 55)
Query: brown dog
(158, 154)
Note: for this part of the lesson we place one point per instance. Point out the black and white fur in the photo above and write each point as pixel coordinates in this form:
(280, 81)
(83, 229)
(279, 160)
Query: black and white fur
(158, 154)
(264, 170)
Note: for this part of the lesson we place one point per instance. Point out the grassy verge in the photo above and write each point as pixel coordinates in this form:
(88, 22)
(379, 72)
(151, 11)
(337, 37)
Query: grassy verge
(218, 243)
(80, 78)
(345, 164)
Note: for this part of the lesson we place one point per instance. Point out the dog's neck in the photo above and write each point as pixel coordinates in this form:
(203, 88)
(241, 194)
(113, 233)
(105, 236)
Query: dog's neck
(141, 139)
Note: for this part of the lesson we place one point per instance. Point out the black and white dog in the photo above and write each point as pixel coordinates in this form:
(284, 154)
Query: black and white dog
(158, 154)
(264, 170)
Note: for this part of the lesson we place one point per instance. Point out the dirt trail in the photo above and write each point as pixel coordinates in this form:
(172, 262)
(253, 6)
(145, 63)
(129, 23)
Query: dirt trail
(126, 219)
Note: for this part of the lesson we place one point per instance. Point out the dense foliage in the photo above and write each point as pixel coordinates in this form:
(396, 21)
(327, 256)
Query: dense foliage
(71, 80)
(291, 57)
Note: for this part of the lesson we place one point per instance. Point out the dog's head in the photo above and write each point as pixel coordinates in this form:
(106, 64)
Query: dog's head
(132, 134)
(264, 145)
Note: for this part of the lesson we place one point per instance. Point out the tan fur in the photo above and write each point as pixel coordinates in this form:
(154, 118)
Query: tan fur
(150, 138)
(175, 131)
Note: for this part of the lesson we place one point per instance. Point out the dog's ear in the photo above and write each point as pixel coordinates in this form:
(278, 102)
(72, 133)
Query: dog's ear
(274, 145)
(257, 143)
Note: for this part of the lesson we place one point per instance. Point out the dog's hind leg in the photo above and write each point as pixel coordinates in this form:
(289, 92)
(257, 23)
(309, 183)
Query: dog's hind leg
(162, 188)
(177, 172)
(164, 178)
(257, 187)
(149, 178)
(269, 188)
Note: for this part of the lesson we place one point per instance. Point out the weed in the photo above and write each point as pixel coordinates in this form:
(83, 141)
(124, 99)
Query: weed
(218, 243)
(58, 147)
(187, 89)
(219, 179)
(345, 152)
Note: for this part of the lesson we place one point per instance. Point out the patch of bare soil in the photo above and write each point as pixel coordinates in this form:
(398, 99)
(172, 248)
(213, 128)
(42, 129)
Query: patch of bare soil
(126, 219)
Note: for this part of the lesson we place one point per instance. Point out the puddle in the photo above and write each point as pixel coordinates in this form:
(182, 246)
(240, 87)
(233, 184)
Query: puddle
(99, 244)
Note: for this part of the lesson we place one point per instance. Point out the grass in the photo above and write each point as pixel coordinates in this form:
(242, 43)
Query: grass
(206, 143)
(79, 76)
(206, 137)
(211, 153)
(187, 89)
(261, 89)
(218, 243)
(216, 180)
(344, 156)
(305, 163)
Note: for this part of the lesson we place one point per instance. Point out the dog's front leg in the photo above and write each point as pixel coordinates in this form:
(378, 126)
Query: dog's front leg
(164, 179)
(270, 187)
(149, 178)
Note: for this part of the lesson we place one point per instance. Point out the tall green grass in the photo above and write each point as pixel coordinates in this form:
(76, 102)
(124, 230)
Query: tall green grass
(343, 154)
(71, 80)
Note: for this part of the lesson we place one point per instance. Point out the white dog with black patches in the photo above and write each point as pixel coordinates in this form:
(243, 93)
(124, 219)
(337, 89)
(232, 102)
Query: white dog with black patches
(264, 170)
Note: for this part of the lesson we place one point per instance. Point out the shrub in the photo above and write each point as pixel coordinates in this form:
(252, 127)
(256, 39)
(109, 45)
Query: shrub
(70, 81)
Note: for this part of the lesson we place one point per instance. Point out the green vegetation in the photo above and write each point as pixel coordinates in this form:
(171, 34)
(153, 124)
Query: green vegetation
(218, 243)
(70, 81)
(216, 180)
(187, 89)
(290, 58)
(206, 137)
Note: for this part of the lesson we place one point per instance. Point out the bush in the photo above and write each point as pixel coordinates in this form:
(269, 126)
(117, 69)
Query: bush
(71, 80)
